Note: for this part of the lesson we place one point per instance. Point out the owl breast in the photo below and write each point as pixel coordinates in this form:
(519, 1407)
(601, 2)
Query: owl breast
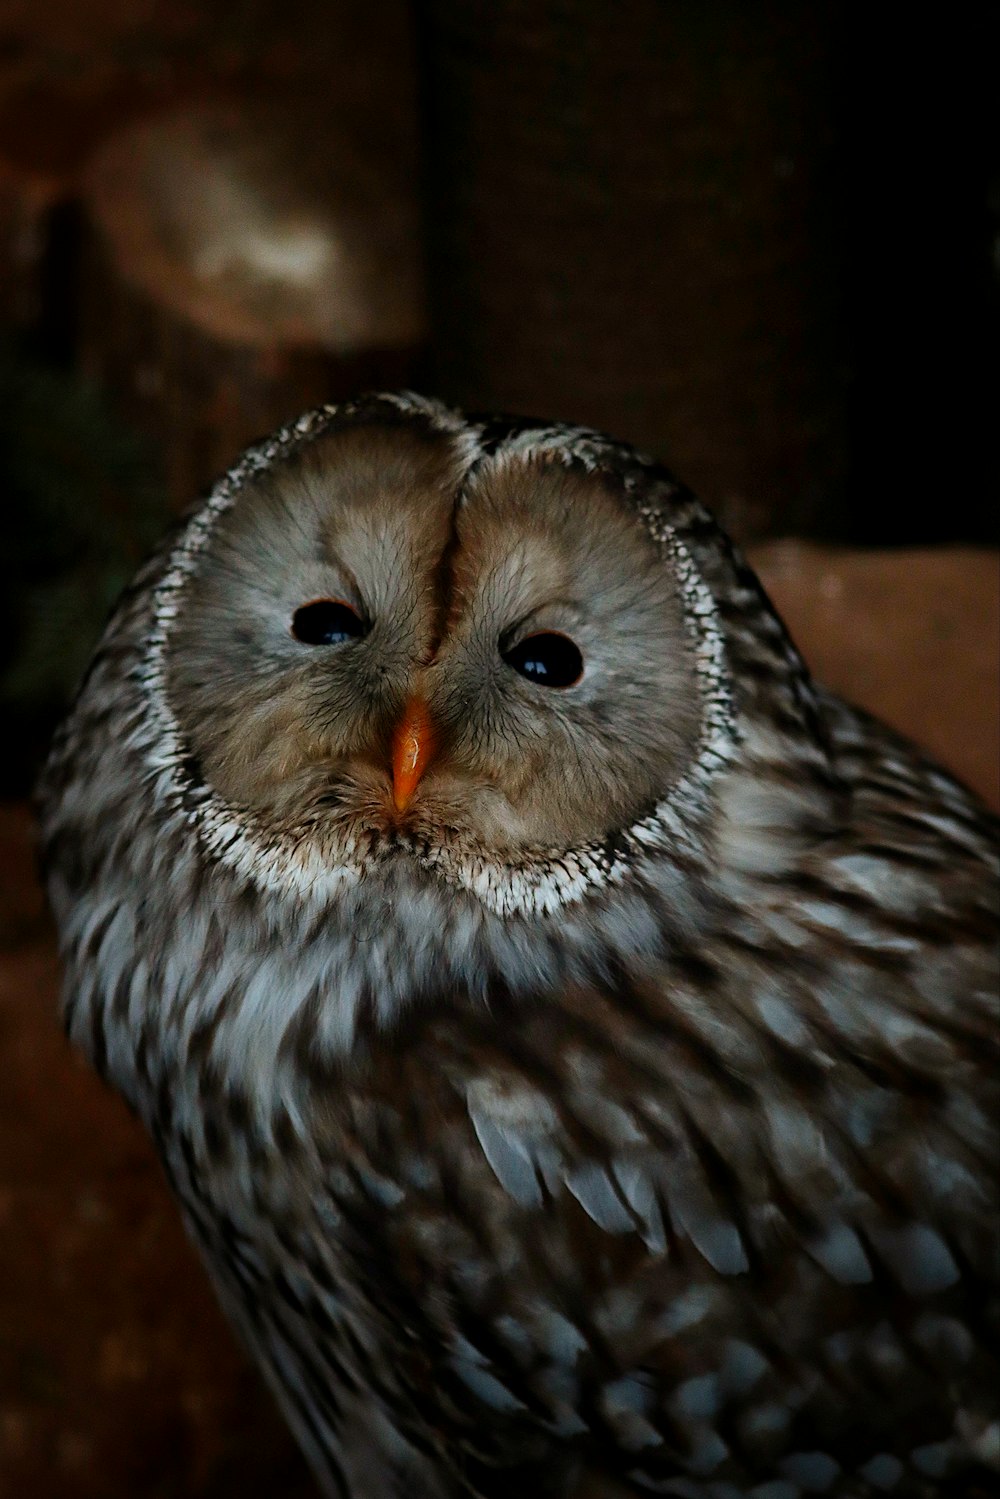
(699, 1215)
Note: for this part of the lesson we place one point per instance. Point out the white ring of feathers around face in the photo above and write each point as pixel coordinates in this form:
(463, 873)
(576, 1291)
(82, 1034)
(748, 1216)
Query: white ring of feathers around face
(546, 880)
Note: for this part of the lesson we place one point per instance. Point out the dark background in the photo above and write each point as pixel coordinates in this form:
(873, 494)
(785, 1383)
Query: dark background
(753, 237)
(757, 237)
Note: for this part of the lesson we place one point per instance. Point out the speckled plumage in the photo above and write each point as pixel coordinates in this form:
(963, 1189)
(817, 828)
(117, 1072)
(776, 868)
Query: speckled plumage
(662, 1161)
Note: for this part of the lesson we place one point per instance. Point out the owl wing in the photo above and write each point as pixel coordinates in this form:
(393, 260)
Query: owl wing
(696, 1248)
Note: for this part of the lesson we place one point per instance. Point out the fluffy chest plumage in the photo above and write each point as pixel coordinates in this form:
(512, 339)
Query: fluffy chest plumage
(605, 1227)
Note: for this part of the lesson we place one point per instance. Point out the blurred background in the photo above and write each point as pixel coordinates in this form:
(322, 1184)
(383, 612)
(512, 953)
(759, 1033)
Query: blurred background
(758, 239)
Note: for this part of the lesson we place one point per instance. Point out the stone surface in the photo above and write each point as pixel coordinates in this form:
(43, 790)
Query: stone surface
(118, 1378)
(911, 635)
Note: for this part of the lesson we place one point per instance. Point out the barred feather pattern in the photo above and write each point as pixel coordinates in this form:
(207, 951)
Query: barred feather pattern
(663, 1168)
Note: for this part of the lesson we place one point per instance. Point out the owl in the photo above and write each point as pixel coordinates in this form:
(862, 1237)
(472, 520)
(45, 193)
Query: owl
(569, 1032)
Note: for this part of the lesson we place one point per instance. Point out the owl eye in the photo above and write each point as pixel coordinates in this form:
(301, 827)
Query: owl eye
(327, 622)
(548, 658)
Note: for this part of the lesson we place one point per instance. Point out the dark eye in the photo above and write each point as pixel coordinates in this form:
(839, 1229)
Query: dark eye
(548, 658)
(327, 622)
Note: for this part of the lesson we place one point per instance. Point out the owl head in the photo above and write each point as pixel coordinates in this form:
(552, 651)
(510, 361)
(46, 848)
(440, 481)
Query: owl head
(491, 650)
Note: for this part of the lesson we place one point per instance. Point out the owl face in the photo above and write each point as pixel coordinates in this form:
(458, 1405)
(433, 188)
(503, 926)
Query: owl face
(393, 642)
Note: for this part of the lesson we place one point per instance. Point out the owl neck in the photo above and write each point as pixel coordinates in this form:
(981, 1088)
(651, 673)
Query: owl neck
(284, 989)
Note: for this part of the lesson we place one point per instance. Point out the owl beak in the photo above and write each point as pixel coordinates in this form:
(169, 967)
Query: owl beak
(413, 746)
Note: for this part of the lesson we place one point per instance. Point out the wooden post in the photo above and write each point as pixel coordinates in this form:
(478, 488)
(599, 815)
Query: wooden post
(244, 261)
(628, 224)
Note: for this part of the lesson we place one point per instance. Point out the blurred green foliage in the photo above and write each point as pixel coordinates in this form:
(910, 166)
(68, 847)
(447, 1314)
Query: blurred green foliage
(82, 503)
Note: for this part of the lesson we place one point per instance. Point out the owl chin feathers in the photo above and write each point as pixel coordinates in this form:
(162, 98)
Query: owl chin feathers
(450, 820)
